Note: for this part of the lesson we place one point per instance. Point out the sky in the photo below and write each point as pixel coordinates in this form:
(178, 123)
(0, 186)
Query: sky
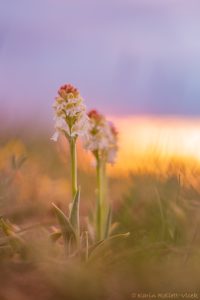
(127, 57)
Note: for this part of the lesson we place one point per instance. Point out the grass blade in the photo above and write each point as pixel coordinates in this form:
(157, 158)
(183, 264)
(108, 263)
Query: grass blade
(65, 225)
(74, 213)
(108, 223)
(15, 241)
(106, 244)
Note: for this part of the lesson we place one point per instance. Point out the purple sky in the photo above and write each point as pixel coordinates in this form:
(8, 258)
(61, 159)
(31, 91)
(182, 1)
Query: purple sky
(125, 56)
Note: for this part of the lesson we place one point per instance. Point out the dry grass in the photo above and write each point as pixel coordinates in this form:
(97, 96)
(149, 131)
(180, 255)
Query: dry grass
(160, 209)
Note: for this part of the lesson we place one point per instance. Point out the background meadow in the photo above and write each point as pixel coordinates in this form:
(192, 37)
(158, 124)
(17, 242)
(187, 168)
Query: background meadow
(137, 62)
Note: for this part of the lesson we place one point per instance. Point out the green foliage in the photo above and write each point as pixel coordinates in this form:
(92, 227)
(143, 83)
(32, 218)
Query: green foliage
(14, 240)
(74, 213)
(108, 223)
(161, 253)
(65, 225)
(100, 248)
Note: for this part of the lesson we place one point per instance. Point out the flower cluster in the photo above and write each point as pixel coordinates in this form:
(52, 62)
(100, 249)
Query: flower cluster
(102, 137)
(70, 113)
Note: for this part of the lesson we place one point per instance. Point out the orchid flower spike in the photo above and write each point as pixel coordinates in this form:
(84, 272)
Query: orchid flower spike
(70, 113)
(102, 138)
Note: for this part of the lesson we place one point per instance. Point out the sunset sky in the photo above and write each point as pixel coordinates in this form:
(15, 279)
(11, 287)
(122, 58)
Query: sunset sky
(149, 143)
(126, 56)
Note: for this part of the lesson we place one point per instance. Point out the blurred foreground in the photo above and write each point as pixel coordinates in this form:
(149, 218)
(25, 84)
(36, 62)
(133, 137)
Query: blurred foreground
(155, 194)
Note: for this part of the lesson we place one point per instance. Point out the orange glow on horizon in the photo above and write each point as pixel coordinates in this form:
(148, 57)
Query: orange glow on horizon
(152, 142)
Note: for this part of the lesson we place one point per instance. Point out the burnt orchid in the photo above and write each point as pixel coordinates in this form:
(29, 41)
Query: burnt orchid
(101, 138)
(70, 113)
(102, 141)
(72, 121)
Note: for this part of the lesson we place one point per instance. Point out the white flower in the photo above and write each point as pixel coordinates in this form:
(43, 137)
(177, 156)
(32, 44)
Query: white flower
(102, 137)
(70, 113)
(55, 136)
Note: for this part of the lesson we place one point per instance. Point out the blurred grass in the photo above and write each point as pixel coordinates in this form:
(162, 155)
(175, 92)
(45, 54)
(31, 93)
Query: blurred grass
(160, 209)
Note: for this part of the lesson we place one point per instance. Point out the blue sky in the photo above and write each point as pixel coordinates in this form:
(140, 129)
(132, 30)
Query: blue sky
(125, 56)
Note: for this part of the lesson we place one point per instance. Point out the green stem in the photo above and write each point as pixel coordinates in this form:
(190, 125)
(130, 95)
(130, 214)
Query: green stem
(105, 184)
(74, 184)
(73, 166)
(100, 192)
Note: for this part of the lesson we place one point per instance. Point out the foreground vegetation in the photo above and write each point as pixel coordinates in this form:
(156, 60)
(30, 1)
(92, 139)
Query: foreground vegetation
(161, 212)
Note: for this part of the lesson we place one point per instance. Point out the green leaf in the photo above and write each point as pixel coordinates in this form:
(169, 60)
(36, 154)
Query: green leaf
(16, 242)
(108, 223)
(6, 227)
(65, 225)
(106, 244)
(93, 247)
(74, 212)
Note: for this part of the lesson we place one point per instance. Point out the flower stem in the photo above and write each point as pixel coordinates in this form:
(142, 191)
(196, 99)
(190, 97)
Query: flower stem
(74, 187)
(99, 213)
(73, 166)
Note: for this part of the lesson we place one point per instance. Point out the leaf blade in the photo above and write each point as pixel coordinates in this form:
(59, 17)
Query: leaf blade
(65, 225)
(106, 244)
(74, 212)
(108, 223)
